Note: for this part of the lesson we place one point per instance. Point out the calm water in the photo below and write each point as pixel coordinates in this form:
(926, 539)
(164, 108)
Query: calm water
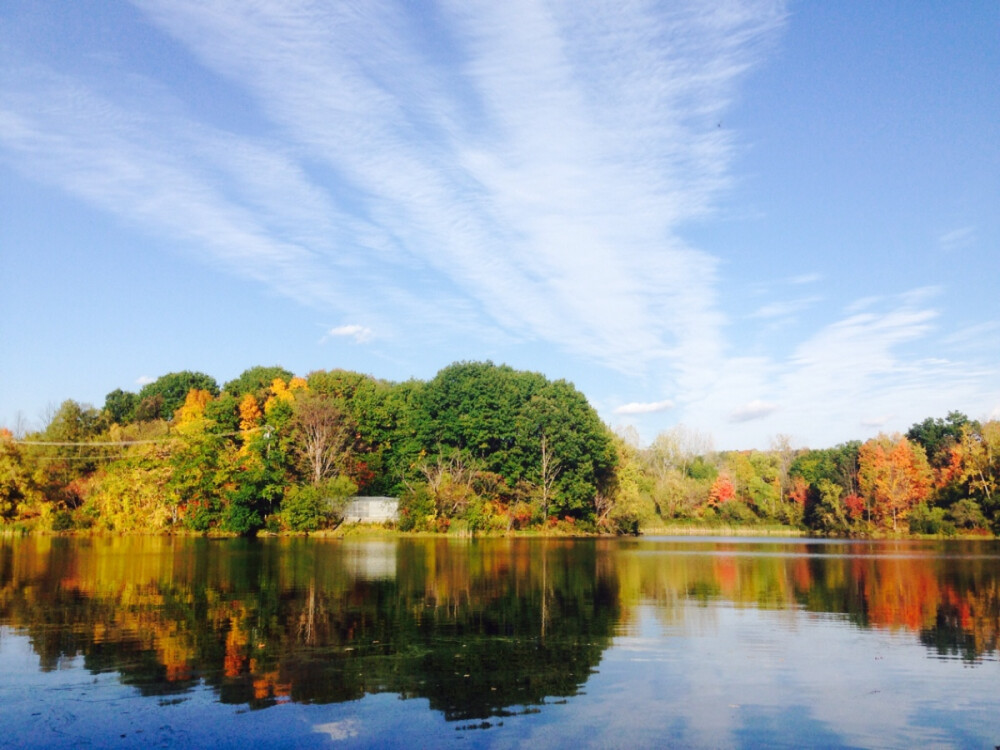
(602, 643)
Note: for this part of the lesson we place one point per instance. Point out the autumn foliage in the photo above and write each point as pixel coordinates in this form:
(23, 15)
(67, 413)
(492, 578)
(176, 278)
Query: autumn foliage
(479, 447)
(895, 475)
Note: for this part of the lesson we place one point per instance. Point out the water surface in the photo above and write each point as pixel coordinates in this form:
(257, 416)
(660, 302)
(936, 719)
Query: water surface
(152, 642)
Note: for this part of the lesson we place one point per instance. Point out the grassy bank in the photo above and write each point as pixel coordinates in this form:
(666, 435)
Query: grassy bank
(681, 529)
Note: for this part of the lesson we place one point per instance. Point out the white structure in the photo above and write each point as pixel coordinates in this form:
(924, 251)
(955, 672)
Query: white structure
(371, 510)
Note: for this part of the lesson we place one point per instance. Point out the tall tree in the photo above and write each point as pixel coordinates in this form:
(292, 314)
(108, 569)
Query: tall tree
(894, 476)
(938, 436)
(15, 481)
(981, 466)
(322, 433)
(120, 406)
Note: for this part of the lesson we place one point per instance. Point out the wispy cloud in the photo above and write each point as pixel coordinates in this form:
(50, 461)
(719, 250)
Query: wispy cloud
(860, 369)
(957, 239)
(977, 337)
(520, 163)
(360, 334)
(512, 171)
(860, 366)
(644, 408)
(489, 172)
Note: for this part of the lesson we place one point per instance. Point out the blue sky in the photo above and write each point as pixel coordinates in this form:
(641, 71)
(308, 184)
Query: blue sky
(750, 218)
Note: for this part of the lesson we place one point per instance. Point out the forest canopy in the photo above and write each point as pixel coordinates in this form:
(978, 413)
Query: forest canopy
(478, 448)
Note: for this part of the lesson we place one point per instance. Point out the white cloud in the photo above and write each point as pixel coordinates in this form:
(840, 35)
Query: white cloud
(755, 409)
(644, 408)
(527, 184)
(144, 380)
(360, 334)
(566, 134)
(850, 371)
(977, 337)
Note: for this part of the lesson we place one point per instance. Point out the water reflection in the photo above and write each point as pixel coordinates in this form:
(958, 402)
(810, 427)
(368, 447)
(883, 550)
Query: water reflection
(478, 629)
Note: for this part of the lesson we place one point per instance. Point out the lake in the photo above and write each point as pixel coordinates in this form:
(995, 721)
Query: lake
(648, 642)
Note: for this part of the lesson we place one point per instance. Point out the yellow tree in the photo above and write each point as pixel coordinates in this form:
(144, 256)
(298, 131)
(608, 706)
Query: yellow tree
(280, 393)
(981, 460)
(194, 406)
(250, 413)
(894, 475)
(14, 478)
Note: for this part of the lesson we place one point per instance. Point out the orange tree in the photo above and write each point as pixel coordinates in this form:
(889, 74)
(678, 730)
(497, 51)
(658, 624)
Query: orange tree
(894, 476)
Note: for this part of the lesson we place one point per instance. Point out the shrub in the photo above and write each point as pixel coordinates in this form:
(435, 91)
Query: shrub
(417, 509)
(926, 520)
(966, 514)
(311, 507)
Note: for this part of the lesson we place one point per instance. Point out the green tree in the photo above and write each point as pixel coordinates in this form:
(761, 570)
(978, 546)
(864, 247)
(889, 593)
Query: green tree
(561, 440)
(311, 507)
(120, 406)
(256, 381)
(339, 385)
(74, 423)
(825, 511)
(498, 419)
(60, 469)
(222, 414)
(173, 388)
(938, 436)
(385, 415)
(472, 407)
(200, 473)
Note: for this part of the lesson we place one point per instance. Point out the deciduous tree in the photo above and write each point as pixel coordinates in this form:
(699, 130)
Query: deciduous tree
(250, 413)
(894, 476)
(322, 434)
(256, 381)
(173, 389)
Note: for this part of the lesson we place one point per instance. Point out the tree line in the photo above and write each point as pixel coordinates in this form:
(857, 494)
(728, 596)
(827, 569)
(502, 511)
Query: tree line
(941, 477)
(480, 447)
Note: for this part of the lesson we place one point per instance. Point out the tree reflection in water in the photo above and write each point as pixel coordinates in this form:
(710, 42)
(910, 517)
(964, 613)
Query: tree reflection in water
(478, 628)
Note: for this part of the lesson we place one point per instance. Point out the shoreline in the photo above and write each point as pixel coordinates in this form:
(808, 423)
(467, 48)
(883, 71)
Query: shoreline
(370, 531)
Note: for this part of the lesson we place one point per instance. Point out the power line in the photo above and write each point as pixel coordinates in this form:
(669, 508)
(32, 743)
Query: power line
(98, 444)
